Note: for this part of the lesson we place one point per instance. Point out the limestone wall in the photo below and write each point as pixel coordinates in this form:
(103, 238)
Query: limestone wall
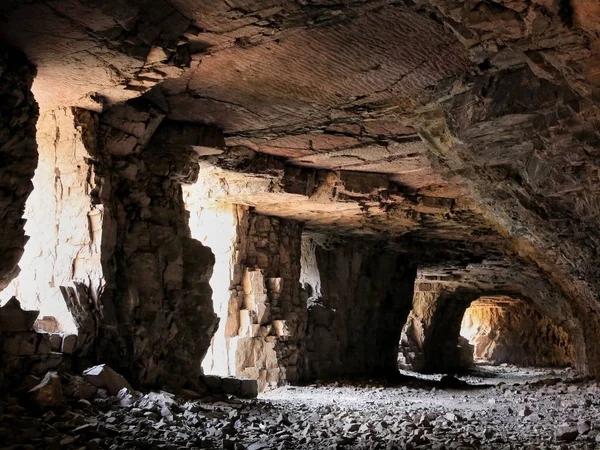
(354, 327)
(63, 224)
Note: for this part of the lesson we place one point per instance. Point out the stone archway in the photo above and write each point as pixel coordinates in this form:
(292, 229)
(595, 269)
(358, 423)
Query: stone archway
(509, 330)
(430, 338)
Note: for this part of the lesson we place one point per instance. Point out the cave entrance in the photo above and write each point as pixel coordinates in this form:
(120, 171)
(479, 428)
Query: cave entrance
(62, 256)
(215, 224)
(508, 331)
(462, 331)
(255, 286)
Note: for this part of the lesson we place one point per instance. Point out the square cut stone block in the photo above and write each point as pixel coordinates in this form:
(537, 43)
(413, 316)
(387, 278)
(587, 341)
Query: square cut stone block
(245, 323)
(69, 342)
(19, 343)
(231, 385)
(213, 382)
(249, 388)
(55, 342)
(44, 345)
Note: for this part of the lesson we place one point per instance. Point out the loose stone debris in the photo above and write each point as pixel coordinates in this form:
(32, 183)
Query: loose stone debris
(66, 412)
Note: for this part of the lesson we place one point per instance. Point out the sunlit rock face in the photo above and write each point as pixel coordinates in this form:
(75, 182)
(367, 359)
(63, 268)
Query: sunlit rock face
(504, 330)
(18, 156)
(63, 223)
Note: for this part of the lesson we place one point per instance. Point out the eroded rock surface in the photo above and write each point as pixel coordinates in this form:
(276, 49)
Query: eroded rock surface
(18, 155)
(158, 317)
(460, 138)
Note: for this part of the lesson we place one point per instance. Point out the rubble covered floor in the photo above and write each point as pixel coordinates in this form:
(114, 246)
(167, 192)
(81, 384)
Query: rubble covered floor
(529, 408)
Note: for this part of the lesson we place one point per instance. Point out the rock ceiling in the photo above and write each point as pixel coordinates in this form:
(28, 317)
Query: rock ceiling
(474, 123)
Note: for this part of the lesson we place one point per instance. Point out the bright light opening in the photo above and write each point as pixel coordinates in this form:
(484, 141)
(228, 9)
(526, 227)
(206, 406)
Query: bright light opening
(64, 228)
(215, 225)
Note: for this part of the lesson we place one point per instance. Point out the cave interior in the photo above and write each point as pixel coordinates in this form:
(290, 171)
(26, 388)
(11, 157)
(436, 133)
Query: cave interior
(249, 197)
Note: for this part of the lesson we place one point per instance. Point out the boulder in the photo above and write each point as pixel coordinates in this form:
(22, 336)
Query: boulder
(48, 393)
(249, 388)
(567, 432)
(104, 377)
(14, 318)
(80, 389)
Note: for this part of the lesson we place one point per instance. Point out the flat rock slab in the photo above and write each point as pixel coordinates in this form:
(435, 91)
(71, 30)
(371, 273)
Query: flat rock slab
(104, 377)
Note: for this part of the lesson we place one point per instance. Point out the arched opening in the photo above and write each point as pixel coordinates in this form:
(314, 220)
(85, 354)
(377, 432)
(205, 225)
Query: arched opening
(255, 282)
(505, 330)
(454, 328)
(464, 335)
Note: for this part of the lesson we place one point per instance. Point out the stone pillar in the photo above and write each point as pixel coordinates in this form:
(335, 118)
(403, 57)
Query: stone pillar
(158, 315)
(18, 156)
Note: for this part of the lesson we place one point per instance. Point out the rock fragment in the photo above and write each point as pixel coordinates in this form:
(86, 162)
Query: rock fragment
(48, 393)
(102, 376)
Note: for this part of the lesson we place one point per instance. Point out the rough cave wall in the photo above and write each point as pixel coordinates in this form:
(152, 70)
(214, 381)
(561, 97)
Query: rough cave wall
(24, 351)
(514, 332)
(18, 156)
(429, 340)
(525, 121)
(269, 318)
(158, 316)
(63, 224)
(354, 327)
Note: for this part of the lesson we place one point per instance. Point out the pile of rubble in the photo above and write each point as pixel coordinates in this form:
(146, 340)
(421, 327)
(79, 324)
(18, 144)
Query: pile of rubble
(100, 410)
(26, 348)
